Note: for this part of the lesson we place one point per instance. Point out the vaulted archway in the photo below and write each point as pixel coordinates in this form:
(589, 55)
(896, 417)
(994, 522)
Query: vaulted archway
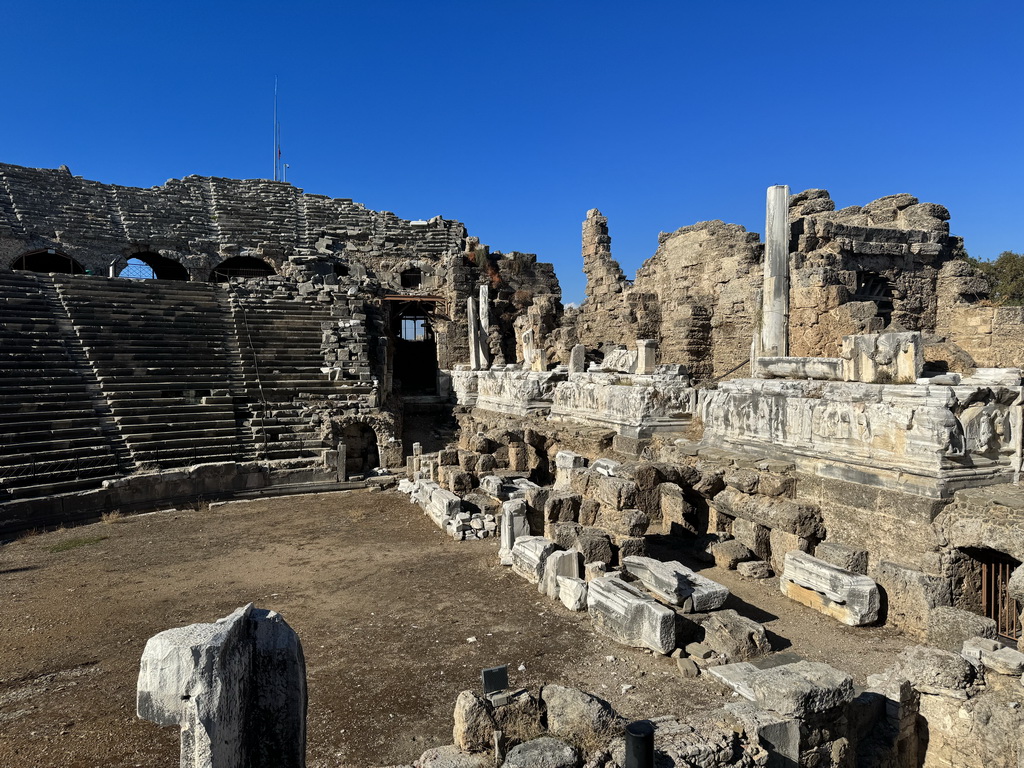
(241, 266)
(49, 261)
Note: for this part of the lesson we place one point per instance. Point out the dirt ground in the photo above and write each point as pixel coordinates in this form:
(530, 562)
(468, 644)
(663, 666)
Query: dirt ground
(395, 619)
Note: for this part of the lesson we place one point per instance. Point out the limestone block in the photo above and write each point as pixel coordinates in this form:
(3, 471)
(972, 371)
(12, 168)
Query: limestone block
(973, 647)
(573, 593)
(545, 752)
(753, 536)
(728, 553)
(931, 670)
(842, 556)
(514, 525)
(575, 713)
(948, 628)
(493, 485)
(754, 569)
(595, 570)
(674, 583)
(743, 480)
(605, 467)
(736, 677)
(450, 756)
(630, 616)
(594, 544)
(474, 724)
(777, 734)
(802, 689)
(886, 358)
(849, 597)
(735, 637)
(562, 506)
(558, 563)
(803, 520)
(910, 595)
(631, 546)
(528, 556)
(565, 535)
(1003, 661)
(443, 505)
(236, 687)
(565, 463)
(677, 515)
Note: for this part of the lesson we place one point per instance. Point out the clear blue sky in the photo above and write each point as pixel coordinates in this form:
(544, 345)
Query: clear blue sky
(517, 117)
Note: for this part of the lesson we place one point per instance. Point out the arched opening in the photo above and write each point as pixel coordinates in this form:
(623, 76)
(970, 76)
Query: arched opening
(872, 286)
(415, 348)
(341, 270)
(48, 261)
(412, 277)
(981, 585)
(361, 453)
(153, 266)
(240, 266)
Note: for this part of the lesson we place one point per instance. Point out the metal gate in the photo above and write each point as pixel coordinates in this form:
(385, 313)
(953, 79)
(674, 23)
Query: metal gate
(995, 598)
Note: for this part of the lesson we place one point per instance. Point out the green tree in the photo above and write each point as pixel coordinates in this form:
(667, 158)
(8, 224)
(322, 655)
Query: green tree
(1006, 274)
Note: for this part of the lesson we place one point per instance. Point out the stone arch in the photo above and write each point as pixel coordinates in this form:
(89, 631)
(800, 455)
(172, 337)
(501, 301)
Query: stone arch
(411, 277)
(388, 445)
(241, 266)
(48, 260)
(148, 265)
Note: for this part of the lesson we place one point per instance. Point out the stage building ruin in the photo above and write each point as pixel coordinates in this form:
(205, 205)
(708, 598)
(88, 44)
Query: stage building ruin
(840, 405)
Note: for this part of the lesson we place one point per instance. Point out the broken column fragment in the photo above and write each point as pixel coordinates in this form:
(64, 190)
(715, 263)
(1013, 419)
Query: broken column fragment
(236, 688)
(630, 616)
(528, 556)
(849, 597)
(674, 583)
(514, 524)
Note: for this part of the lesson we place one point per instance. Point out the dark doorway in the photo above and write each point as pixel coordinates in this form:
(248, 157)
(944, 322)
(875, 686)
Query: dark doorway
(872, 286)
(48, 261)
(415, 348)
(983, 580)
(240, 266)
(412, 277)
(361, 454)
(153, 266)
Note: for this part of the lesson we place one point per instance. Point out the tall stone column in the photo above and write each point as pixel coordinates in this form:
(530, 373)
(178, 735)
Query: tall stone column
(485, 326)
(474, 334)
(775, 294)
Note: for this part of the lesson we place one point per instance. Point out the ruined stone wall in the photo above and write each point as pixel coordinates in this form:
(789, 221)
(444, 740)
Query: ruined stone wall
(893, 245)
(993, 335)
(199, 222)
(695, 296)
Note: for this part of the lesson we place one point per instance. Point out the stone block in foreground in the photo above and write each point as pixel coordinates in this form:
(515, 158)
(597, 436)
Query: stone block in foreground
(801, 689)
(629, 616)
(236, 688)
(674, 583)
(846, 596)
(528, 556)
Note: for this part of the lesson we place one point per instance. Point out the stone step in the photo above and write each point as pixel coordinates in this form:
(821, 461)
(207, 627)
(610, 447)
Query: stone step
(54, 483)
(36, 443)
(77, 455)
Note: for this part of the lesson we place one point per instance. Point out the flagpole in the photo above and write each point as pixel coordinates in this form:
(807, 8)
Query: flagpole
(275, 128)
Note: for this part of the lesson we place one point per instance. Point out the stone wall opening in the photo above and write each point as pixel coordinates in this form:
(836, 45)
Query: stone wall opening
(981, 586)
(361, 453)
(872, 286)
(240, 266)
(48, 261)
(153, 266)
(412, 277)
(415, 348)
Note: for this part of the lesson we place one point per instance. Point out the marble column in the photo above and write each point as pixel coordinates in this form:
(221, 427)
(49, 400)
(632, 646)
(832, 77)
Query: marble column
(775, 293)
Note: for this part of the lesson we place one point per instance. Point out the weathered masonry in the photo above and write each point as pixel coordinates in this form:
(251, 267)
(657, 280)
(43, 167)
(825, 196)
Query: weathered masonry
(278, 341)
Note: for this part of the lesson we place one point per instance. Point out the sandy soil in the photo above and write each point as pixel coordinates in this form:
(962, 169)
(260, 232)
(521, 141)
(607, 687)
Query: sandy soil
(394, 617)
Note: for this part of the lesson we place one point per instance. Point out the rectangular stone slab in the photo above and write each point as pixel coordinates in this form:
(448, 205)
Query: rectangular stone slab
(674, 583)
(849, 597)
(629, 616)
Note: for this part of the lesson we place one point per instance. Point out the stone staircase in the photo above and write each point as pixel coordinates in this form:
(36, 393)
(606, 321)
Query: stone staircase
(52, 438)
(279, 337)
(162, 353)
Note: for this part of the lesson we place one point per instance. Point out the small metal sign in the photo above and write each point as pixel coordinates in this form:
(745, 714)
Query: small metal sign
(495, 679)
